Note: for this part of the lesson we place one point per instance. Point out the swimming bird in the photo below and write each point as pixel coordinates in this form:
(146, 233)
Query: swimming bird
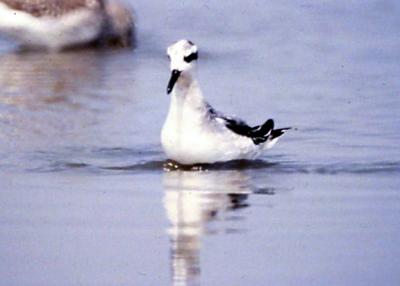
(194, 132)
(59, 24)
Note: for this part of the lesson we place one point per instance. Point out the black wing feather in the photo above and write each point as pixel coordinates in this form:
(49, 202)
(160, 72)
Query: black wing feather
(259, 134)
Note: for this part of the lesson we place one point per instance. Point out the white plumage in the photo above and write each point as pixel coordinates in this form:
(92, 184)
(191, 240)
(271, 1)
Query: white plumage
(56, 25)
(194, 132)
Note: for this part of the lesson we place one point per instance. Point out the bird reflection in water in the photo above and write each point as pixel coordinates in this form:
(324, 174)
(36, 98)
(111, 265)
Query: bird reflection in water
(192, 201)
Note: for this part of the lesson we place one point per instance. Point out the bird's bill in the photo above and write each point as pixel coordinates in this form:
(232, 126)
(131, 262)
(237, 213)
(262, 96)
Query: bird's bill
(174, 78)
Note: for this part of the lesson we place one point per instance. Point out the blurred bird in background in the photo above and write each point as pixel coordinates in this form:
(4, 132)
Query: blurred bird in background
(56, 25)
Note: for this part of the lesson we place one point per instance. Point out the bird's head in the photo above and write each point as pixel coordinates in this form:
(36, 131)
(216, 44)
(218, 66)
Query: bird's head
(183, 57)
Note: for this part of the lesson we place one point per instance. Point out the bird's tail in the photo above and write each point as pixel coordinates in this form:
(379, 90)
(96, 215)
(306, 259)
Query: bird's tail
(259, 134)
(278, 132)
(274, 136)
(266, 133)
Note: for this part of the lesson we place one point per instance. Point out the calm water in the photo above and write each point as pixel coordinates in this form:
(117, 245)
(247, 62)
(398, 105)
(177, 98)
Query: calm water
(84, 199)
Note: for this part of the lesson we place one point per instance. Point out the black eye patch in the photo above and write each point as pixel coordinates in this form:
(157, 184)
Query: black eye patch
(191, 57)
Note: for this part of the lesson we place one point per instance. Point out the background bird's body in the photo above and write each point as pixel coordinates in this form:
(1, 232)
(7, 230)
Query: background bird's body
(51, 24)
(61, 24)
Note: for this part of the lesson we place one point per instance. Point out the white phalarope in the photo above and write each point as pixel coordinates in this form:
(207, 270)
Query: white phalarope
(194, 132)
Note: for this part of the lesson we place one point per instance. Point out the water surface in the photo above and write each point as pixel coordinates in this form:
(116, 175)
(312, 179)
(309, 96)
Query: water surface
(84, 194)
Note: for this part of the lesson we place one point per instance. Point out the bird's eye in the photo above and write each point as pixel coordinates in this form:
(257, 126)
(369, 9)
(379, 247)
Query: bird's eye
(191, 57)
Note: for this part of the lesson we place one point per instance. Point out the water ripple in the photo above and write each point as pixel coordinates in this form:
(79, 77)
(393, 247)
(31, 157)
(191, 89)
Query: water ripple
(284, 167)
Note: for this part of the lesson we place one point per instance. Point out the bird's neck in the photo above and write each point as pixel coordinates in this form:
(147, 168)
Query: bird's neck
(187, 93)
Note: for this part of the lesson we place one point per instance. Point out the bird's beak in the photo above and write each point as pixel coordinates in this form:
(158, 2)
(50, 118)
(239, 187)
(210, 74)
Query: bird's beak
(174, 77)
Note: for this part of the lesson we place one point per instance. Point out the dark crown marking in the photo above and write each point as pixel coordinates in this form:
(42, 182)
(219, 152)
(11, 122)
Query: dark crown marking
(191, 57)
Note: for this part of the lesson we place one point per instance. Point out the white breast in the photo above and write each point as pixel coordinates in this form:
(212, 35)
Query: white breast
(190, 136)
